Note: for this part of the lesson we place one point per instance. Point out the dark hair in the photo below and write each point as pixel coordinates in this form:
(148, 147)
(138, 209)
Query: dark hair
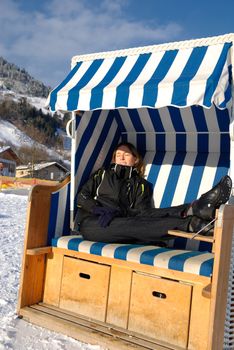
(139, 161)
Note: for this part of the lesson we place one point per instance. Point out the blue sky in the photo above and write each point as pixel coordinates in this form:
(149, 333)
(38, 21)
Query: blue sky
(42, 36)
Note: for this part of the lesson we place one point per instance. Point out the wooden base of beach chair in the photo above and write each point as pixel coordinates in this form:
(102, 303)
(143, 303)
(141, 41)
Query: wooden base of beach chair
(165, 306)
(89, 331)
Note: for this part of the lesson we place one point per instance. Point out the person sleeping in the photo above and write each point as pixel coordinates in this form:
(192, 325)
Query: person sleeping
(115, 205)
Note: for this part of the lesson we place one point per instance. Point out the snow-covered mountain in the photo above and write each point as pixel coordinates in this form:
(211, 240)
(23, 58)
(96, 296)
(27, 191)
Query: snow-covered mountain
(22, 104)
(16, 79)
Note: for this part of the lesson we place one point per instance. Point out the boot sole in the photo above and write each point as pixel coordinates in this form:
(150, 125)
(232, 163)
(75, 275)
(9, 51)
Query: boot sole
(225, 190)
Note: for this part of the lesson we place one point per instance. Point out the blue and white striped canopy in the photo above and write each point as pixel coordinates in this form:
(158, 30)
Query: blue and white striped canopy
(173, 102)
(176, 77)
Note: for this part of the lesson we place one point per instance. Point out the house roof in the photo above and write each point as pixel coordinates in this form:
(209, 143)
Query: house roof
(9, 150)
(4, 148)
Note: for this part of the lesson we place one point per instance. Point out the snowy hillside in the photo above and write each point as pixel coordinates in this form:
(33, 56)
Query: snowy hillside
(37, 102)
(22, 104)
(12, 136)
(16, 334)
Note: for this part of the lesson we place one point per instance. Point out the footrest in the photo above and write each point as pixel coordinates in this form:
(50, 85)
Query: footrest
(189, 235)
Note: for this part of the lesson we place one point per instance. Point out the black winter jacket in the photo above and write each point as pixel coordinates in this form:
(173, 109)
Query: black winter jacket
(118, 187)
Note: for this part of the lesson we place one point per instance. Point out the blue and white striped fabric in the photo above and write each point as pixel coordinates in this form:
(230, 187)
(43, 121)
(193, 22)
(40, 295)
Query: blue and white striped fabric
(59, 219)
(189, 244)
(186, 150)
(184, 77)
(198, 263)
(138, 98)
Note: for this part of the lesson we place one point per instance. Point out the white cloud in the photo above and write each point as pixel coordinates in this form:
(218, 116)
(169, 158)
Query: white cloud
(44, 42)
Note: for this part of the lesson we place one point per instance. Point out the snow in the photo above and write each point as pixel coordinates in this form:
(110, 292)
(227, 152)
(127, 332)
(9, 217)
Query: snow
(38, 103)
(2, 149)
(15, 333)
(10, 133)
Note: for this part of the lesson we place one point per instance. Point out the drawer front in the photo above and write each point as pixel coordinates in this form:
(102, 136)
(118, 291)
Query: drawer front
(160, 308)
(84, 288)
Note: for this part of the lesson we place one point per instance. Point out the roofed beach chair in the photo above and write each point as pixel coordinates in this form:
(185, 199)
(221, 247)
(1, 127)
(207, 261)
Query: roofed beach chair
(174, 103)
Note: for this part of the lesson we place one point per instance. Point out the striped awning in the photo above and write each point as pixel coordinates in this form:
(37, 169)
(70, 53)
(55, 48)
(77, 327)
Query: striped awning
(176, 77)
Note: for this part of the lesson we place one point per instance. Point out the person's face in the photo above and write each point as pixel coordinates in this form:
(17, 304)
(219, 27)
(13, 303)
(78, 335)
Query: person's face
(124, 156)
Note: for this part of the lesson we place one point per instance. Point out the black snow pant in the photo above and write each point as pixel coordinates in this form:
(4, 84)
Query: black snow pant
(149, 227)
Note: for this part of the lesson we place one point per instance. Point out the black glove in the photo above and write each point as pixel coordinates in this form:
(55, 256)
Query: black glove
(105, 214)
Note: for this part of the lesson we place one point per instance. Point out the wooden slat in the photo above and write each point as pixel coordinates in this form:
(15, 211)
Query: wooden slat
(53, 277)
(35, 237)
(90, 331)
(119, 296)
(199, 320)
(33, 279)
(223, 243)
(39, 251)
(189, 235)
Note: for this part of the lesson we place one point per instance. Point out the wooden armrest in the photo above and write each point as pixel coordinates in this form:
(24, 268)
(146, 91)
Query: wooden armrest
(189, 235)
(206, 291)
(39, 251)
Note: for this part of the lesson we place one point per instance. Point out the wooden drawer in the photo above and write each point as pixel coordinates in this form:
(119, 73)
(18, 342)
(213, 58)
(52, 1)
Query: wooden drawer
(84, 288)
(160, 308)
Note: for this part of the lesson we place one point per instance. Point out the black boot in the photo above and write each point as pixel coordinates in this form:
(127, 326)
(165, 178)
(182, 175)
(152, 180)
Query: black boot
(197, 224)
(205, 206)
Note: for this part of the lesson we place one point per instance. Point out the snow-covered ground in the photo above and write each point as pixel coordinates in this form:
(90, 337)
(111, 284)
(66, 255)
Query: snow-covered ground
(15, 333)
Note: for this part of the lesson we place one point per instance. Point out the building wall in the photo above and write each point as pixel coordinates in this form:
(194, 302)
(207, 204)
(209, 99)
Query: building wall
(51, 172)
(22, 172)
(7, 167)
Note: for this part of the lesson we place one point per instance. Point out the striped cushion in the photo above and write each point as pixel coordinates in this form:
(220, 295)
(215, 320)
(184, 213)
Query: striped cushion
(189, 244)
(198, 263)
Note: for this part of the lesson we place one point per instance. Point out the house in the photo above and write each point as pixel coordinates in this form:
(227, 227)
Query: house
(47, 171)
(8, 161)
